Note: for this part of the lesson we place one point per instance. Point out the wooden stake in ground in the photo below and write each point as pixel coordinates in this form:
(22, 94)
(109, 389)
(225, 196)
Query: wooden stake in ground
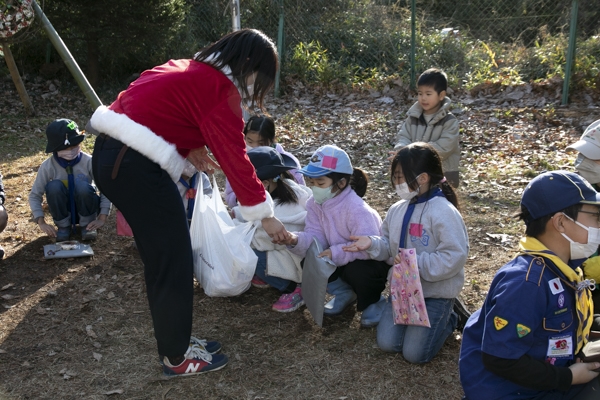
(14, 73)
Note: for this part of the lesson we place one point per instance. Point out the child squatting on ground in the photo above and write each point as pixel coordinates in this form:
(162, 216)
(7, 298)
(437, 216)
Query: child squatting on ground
(426, 219)
(277, 266)
(430, 120)
(66, 179)
(335, 213)
(524, 341)
(260, 131)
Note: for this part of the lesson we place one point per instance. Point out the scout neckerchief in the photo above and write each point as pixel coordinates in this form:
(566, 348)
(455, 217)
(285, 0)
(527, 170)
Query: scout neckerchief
(190, 193)
(583, 294)
(435, 192)
(68, 165)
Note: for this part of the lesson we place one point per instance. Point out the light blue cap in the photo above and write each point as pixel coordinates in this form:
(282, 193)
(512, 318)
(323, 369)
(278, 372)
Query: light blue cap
(328, 159)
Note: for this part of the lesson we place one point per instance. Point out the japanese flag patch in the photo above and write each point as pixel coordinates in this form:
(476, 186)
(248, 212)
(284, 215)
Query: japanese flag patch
(555, 286)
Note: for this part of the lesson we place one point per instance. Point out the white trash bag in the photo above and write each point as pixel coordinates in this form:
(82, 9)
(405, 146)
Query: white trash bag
(224, 262)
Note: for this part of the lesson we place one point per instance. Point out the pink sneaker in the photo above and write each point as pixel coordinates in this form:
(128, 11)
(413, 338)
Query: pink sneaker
(290, 301)
(259, 283)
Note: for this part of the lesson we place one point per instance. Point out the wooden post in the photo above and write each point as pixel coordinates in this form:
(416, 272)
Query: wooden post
(14, 73)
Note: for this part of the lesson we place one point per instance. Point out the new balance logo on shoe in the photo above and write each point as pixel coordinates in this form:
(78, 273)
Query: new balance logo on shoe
(192, 368)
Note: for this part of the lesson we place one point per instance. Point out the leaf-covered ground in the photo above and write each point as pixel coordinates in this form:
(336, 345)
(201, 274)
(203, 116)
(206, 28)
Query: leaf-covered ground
(80, 328)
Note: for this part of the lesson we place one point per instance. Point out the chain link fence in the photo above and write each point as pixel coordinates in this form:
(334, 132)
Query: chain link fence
(363, 36)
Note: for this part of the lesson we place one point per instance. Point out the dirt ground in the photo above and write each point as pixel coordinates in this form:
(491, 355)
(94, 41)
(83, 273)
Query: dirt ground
(81, 329)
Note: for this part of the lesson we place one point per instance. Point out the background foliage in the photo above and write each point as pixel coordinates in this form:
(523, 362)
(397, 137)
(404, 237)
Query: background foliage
(330, 42)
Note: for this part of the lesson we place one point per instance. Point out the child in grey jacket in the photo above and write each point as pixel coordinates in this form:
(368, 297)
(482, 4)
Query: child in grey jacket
(430, 120)
(426, 219)
(66, 180)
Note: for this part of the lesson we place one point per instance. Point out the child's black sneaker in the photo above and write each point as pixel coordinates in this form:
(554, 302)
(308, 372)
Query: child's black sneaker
(196, 361)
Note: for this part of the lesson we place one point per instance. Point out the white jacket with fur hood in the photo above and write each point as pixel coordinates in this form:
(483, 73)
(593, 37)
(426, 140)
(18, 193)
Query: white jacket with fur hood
(280, 262)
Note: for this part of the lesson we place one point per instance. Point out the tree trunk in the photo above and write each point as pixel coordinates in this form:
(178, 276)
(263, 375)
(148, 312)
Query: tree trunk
(14, 73)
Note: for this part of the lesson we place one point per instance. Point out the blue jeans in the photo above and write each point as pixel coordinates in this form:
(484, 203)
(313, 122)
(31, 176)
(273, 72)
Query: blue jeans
(418, 344)
(261, 271)
(87, 203)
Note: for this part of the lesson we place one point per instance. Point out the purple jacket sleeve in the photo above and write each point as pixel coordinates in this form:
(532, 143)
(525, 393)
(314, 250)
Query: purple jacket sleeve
(230, 197)
(312, 228)
(360, 222)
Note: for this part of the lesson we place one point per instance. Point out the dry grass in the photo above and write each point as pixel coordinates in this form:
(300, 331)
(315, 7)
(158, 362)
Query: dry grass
(80, 328)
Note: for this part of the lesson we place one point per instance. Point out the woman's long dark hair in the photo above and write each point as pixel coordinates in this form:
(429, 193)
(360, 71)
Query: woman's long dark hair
(418, 158)
(245, 51)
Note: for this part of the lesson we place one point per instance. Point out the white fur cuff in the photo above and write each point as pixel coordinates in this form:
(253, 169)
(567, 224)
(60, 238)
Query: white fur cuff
(139, 138)
(259, 211)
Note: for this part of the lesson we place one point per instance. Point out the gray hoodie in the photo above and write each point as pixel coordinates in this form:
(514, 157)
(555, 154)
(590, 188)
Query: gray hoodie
(442, 132)
(50, 170)
(441, 250)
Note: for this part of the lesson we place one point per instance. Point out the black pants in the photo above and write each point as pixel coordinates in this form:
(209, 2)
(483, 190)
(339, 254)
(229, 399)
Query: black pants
(367, 278)
(151, 204)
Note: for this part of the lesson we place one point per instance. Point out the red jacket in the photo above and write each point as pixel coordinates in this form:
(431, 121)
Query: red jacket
(182, 105)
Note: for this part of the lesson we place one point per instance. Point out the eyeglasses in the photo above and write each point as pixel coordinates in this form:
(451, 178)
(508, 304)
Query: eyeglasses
(597, 214)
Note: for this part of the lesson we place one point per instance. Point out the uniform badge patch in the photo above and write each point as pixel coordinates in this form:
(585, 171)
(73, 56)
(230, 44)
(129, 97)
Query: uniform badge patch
(556, 286)
(500, 323)
(522, 330)
(561, 300)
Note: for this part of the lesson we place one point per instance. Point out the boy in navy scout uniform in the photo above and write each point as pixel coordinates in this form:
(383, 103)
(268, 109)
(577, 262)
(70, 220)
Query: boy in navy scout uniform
(523, 343)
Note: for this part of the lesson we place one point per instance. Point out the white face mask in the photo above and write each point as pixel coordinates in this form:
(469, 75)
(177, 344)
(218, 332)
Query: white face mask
(69, 154)
(580, 250)
(321, 195)
(404, 191)
(587, 168)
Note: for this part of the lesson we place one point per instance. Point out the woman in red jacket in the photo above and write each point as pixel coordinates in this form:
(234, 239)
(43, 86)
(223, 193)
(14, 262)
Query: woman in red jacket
(172, 112)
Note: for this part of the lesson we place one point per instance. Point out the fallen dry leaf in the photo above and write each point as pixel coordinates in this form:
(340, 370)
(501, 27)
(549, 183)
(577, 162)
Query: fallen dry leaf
(115, 391)
(90, 332)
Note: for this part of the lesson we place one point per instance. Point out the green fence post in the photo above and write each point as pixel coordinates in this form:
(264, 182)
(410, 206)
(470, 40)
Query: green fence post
(570, 51)
(413, 45)
(279, 48)
(68, 59)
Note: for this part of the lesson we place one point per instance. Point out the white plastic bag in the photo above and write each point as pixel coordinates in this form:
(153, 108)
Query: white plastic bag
(224, 262)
